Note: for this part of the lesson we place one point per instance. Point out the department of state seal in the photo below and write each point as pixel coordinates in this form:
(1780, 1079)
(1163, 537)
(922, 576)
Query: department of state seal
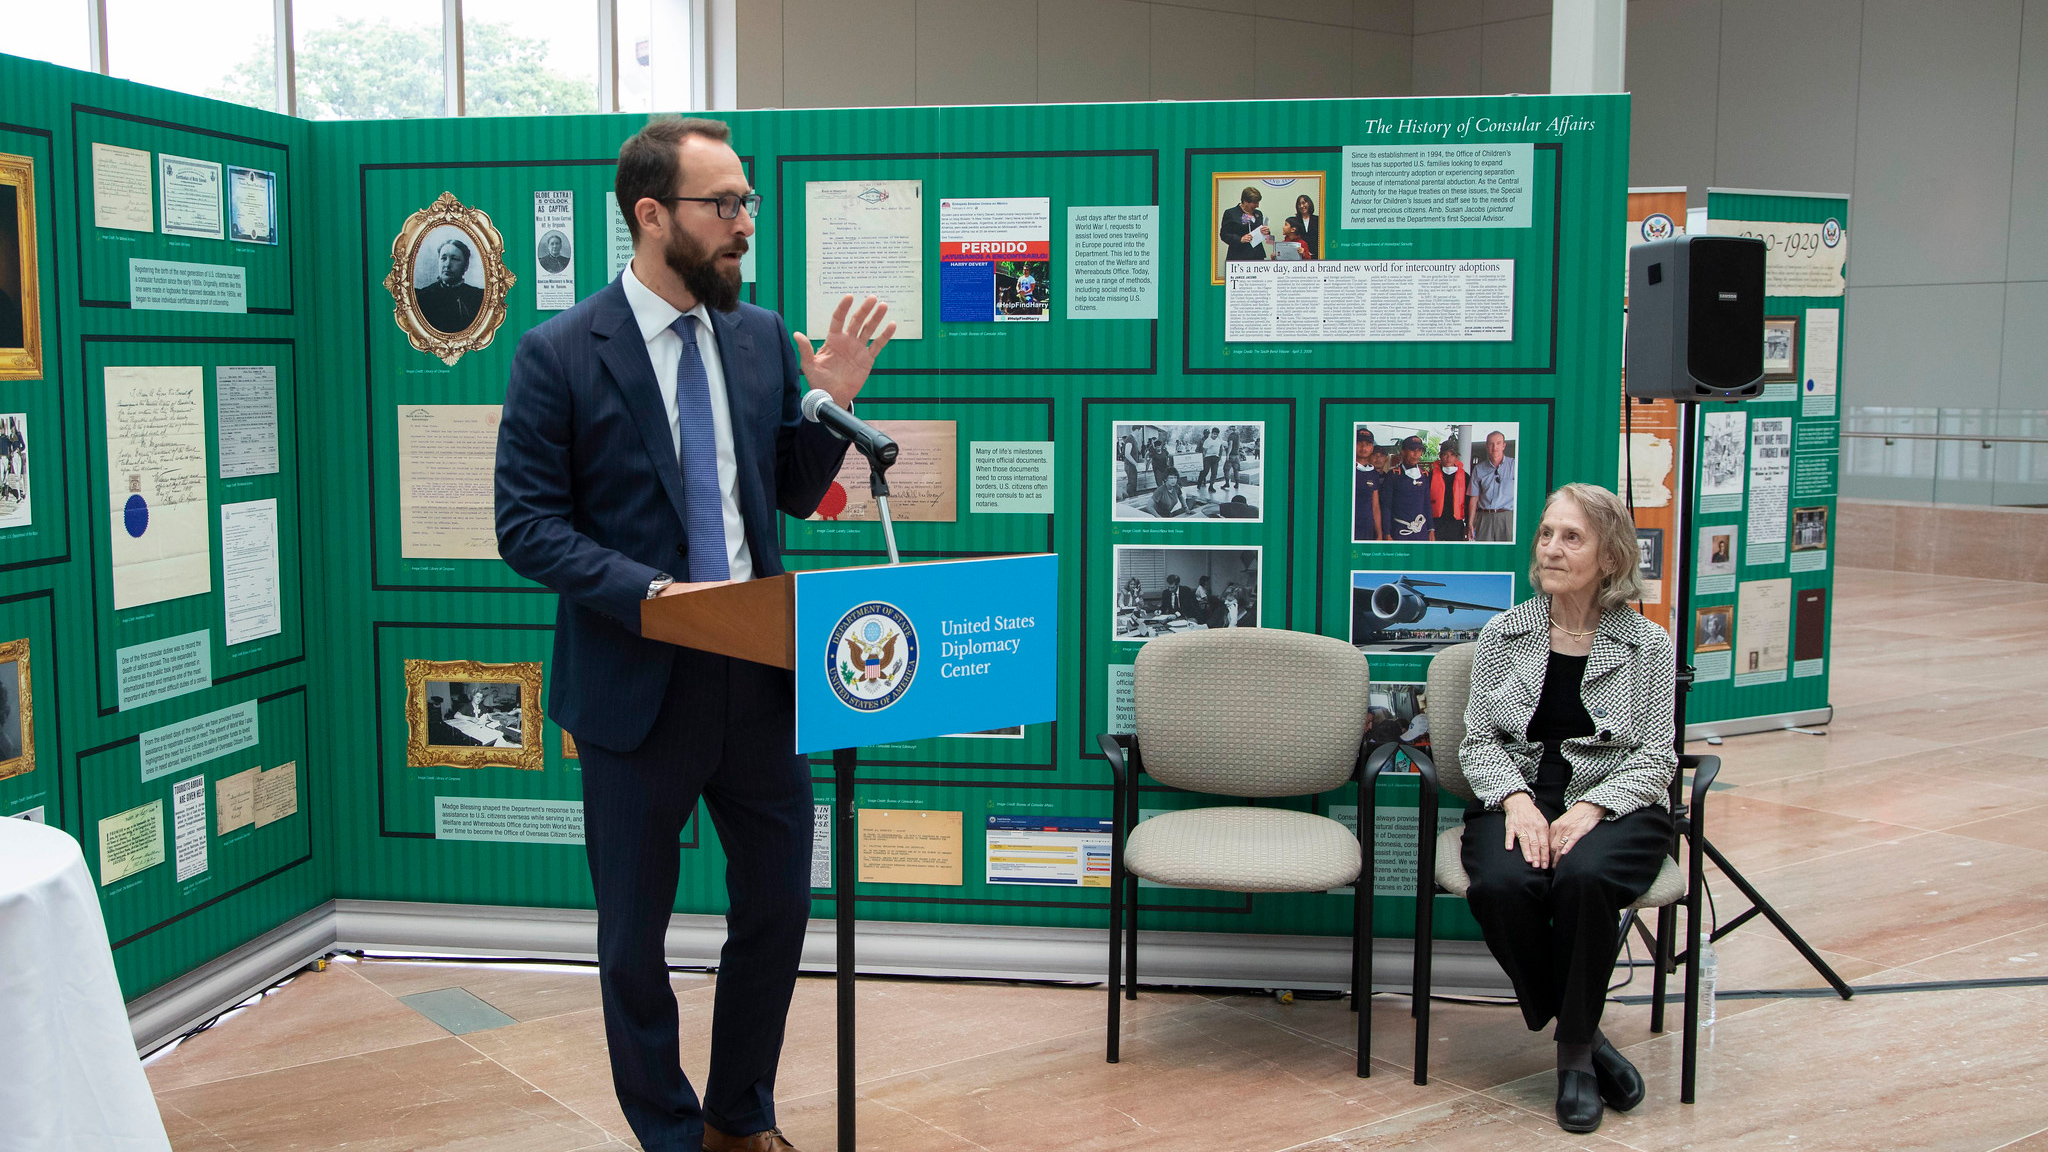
(872, 656)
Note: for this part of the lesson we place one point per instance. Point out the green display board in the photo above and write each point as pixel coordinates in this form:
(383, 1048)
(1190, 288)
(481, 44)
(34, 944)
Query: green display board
(1464, 286)
(1764, 480)
(141, 711)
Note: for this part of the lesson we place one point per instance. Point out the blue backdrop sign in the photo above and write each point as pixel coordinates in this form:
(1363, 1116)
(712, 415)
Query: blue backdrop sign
(902, 652)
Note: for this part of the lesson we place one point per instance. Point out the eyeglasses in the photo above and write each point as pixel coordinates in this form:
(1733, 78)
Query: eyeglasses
(729, 205)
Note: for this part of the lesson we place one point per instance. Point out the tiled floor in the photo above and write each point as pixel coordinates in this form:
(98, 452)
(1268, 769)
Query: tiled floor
(1910, 844)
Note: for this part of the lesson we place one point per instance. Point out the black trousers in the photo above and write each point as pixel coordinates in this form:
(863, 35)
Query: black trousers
(1556, 931)
(725, 733)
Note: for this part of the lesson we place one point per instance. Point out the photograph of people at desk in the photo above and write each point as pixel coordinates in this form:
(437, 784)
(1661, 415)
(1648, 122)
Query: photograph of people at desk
(1184, 588)
(473, 714)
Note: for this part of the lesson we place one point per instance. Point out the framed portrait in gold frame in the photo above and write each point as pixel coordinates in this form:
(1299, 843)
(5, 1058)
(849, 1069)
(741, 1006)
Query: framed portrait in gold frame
(468, 714)
(18, 721)
(21, 311)
(1279, 201)
(448, 279)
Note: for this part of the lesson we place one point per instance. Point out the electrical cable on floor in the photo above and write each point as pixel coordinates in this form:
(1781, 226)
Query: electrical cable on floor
(224, 1013)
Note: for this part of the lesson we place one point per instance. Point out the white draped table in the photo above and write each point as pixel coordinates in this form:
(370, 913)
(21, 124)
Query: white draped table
(71, 1079)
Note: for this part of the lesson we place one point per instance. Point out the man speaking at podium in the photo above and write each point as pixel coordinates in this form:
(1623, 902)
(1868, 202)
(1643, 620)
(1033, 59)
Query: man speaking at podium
(650, 434)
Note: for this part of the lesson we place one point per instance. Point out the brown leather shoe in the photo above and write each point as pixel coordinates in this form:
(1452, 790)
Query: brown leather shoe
(770, 1141)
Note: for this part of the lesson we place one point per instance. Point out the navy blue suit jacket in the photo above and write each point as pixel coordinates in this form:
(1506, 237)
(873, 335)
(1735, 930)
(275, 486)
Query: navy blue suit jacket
(590, 494)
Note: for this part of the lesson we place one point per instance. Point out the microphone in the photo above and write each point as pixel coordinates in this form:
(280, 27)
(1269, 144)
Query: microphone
(818, 408)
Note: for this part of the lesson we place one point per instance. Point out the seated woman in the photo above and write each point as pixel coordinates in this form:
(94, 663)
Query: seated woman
(1570, 824)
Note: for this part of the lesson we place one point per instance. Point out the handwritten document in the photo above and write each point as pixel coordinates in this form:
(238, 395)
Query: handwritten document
(248, 569)
(121, 188)
(924, 483)
(865, 238)
(277, 793)
(446, 456)
(234, 801)
(156, 472)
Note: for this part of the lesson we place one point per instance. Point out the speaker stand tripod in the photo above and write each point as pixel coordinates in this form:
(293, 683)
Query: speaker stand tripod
(1667, 916)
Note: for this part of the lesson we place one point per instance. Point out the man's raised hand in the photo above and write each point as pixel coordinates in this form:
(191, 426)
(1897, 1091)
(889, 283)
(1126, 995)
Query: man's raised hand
(851, 347)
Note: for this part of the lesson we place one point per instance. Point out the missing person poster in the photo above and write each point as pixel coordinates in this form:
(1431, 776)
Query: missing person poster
(554, 239)
(995, 259)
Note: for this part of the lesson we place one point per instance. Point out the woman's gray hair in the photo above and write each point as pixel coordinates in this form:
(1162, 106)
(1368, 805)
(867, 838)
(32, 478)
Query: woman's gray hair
(1614, 537)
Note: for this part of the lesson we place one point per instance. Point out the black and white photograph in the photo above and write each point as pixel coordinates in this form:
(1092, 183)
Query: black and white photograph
(1650, 553)
(14, 489)
(1781, 348)
(10, 712)
(554, 252)
(1810, 529)
(1213, 470)
(1397, 712)
(448, 279)
(1717, 550)
(473, 714)
(1433, 483)
(1724, 455)
(1714, 629)
(1420, 612)
(17, 711)
(1183, 588)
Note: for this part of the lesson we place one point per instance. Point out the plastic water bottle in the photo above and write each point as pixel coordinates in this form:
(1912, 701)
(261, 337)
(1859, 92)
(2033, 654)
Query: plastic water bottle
(1710, 972)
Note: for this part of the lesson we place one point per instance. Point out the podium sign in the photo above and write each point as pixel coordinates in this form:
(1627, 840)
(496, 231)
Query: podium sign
(906, 651)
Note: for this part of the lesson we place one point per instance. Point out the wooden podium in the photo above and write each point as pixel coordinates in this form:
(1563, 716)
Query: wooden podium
(751, 621)
(851, 637)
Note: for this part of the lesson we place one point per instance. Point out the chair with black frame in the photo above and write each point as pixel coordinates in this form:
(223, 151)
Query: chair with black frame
(1441, 869)
(1249, 713)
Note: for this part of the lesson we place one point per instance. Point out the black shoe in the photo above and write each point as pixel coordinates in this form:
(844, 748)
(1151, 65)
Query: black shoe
(1578, 1100)
(1621, 1086)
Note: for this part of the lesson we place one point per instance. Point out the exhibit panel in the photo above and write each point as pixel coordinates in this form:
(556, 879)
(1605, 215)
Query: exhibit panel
(1044, 267)
(1766, 483)
(159, 703)
(266, 652)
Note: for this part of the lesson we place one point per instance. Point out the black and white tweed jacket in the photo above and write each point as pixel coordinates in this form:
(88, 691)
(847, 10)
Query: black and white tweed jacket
(1628, 761)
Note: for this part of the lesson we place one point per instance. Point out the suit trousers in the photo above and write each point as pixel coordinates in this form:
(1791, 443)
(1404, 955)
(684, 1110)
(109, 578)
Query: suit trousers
(1556, 931)
(724, 733)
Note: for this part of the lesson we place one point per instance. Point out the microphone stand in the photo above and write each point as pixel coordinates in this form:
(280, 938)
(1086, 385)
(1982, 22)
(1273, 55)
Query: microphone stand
(845, 766)
(878, 486)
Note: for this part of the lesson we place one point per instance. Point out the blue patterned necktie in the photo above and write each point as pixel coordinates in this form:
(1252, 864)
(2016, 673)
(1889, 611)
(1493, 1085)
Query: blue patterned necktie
(703, 509)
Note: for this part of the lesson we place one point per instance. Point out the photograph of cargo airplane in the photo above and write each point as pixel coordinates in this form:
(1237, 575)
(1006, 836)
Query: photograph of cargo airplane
(1423, 611)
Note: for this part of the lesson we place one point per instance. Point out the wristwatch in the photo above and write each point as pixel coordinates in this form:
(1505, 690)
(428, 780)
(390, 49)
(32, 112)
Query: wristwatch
(661, 580)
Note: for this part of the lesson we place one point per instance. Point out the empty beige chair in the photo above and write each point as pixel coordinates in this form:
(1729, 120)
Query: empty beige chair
(1249, 713)
(1450, 686)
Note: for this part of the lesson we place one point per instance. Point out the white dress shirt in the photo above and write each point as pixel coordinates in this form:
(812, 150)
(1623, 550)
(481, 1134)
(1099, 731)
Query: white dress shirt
(665, 349)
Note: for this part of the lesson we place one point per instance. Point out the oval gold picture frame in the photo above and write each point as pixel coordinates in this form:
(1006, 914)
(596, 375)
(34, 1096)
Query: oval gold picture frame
(488, 250)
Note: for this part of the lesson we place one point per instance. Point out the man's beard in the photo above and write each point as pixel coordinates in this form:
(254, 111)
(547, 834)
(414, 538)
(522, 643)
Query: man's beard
(716, 287)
